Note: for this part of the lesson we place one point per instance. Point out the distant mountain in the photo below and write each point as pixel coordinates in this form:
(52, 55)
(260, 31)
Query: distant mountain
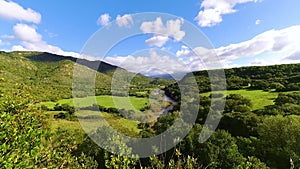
(176, 76)
(49, 57)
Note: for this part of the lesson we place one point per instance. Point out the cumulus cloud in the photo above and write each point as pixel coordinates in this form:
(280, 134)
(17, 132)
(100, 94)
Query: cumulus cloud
(31, 40)
(184, 51)
(270, 47)
(26, 33)
(124, 21)
(26, 36)
(18, 48)
(284, 40)
(158, 41)
(172, 29)
(212, 11)
(154, 64)
(104, 20)
(13, 11)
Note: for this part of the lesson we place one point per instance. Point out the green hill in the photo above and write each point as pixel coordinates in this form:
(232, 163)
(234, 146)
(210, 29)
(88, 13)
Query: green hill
(48, 77)
(279, 78)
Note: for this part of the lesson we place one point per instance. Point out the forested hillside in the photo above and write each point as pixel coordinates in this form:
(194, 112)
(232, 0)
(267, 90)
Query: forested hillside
(279, 78)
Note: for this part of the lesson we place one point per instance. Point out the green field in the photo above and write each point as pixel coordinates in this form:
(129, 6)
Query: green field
(127, 127)
(128, 103)
(91, 120)
(259, 98)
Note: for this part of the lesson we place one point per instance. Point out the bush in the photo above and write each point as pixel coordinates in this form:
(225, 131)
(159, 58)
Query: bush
(25, 140)
(65, 107)
(45, 108)
(60, 115)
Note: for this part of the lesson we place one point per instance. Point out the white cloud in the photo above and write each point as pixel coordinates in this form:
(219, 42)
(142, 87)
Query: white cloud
(13, 11)
(158, 41)
(294, 56)
(268, 48)
(8, 37)
(184, 51)
(213, 10)
(257, 22)
(26, 36)
(276, 41)
(203, 58)
(124, 21)
(18, 48)
(154, 64)
(31, 40)
(103, 20)
(1, 42)
(26, 33)
(172, 29)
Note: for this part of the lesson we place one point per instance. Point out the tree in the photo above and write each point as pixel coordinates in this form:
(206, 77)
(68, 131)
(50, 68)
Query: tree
(252, 163)
(220, 151)
(292, 98)
(237, 103)
(260, 84)
(280, 139)
(240, 124)
(164, 122)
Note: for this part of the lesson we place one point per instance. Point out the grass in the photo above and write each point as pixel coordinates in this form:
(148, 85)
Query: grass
(259, 98)
(104, 100)
(88, 125)
(92, 120)
(66, 124)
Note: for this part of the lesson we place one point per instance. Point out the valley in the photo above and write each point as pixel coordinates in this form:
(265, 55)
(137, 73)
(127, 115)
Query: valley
(37, 103)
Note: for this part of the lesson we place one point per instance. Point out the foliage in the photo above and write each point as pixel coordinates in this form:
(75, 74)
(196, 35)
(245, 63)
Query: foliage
(279, 137)
(25, 141)
(221, 151)
(240, 124)
(20, 135)
(179, 161)
(237, 103)
(252, 163)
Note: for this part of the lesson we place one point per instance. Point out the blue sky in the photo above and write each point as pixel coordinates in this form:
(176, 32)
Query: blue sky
(242, 32)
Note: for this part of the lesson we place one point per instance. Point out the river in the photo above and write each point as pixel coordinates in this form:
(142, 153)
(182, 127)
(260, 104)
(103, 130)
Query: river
(167, 99)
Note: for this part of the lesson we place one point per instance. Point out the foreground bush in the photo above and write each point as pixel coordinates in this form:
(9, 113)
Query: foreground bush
(25, 140)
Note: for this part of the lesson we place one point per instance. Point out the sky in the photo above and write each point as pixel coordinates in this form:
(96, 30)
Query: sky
(185, 35)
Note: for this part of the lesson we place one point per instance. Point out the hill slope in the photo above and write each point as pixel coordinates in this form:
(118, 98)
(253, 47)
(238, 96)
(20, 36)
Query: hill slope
(279, 78)
(48, 77)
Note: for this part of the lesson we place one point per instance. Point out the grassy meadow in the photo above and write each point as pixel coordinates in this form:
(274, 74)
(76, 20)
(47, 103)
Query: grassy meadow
(125, 126)
(259, 98)
(103, 100)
